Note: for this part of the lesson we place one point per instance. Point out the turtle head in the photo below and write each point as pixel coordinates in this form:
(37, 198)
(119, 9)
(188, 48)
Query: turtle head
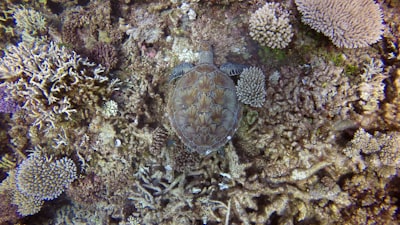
(206, 54)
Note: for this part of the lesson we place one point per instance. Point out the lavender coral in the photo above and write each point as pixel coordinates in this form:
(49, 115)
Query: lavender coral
(270, 26)
(7, 105)
(349, 24)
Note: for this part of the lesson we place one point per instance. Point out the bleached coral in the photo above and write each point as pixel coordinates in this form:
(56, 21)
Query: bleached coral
(251, 87)
(349, 24)
(110, 108)
(377, 152)
(29, 23)
(371, 90)
(270, 26)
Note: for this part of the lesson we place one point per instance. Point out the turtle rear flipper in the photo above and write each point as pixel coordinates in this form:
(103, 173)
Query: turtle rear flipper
(232, 69)
(179, 70)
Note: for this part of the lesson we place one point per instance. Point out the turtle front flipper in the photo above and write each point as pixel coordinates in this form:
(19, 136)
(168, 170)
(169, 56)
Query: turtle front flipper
(179, 70)
(232, 69)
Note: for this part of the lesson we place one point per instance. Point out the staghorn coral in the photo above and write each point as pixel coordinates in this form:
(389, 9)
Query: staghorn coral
(42, 178)
(270, 26)
(251, 87)
(349, 24)
(45, 79)
(30, 24)
(58, 92)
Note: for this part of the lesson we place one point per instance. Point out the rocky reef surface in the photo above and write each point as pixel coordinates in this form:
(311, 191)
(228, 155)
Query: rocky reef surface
(85, 138)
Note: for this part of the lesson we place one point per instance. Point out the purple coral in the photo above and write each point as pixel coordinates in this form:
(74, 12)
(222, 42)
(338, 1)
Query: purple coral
(7, 105)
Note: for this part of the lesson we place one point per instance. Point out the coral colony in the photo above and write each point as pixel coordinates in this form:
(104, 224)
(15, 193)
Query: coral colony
(112, 112)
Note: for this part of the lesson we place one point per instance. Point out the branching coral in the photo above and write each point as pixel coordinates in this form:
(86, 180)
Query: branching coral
(29, 23)
(371, 89)
(36, 179)
(378, 152)
(46, 80)
(349, 24)
(270, 26)
(251, 87)
(41, 178)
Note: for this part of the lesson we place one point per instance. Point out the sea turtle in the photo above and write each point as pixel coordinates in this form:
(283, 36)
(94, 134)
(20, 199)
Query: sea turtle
(203, 107)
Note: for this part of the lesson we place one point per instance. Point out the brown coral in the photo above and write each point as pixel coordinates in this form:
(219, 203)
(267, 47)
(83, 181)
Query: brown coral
(106, 55)
(391, 109)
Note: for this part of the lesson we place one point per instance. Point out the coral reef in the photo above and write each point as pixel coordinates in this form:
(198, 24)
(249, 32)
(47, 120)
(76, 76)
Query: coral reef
(251, 87)
(270, 26)
(349, 24)
(320, 147)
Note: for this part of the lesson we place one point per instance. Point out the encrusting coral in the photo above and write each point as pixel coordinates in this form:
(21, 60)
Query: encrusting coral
(270, 26)
(349, 24)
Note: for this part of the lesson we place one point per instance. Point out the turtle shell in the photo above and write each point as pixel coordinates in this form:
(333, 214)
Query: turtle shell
(203, 108)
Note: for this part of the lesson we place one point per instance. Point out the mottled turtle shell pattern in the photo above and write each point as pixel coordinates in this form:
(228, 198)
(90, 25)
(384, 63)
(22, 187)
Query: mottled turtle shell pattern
(203, 108)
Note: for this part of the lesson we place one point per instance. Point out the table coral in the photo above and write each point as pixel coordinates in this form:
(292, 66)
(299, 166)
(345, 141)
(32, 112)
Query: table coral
(349, 24)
